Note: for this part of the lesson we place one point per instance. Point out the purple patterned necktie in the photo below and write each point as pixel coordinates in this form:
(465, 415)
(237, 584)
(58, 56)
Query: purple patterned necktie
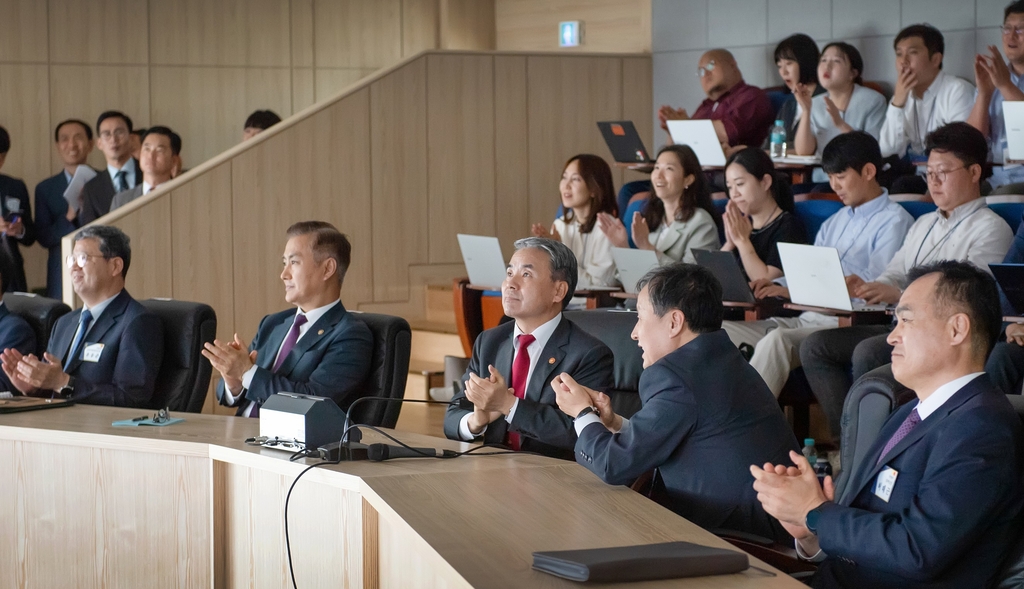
(908, 426)
(289, 341)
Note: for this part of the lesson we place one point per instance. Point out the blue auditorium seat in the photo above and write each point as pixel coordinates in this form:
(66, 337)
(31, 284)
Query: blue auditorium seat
(814, 212)
(917, 208)
(1011, 212)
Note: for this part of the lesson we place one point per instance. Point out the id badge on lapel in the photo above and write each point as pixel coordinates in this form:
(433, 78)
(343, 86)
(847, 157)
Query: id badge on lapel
(884, 483)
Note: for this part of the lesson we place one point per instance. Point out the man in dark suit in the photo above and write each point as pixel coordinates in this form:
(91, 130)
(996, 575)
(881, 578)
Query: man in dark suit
(55, 217)
(1006, 362)
(15, 333)
(936, 502)
(160, 149)
(123, 173)
(706, 413)
(107, 353)
(506, 397)
(16, 225)
(318, 349)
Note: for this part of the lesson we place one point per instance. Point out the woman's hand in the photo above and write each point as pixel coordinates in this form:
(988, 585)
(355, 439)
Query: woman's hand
(837, 116)
(641, 232)
(737, 225)
(613, 229)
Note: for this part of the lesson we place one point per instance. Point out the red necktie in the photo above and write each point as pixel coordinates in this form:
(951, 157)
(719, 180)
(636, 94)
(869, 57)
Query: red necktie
(520, 375)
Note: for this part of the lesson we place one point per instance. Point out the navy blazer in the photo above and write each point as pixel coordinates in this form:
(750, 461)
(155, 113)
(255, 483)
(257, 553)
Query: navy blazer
(99, 192)
(332, 359)
(52, 224)
(706, 416)
(133, 348)
(14, 201)
(15, 333)
(955, 507)
(543, 427)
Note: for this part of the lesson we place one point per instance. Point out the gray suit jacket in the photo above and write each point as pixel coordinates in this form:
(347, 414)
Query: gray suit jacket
(122, 198)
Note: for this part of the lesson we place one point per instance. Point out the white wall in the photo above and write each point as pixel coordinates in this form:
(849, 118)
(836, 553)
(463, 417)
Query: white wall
(684, 29)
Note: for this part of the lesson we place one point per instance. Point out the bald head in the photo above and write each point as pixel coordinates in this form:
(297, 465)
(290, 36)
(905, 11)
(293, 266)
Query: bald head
(722, 76)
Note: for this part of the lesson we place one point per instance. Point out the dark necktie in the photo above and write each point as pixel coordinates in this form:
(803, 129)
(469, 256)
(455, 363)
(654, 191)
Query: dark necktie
(289, 340)
(908, 426)
(76, 346)
(520, 376)
(121, 181)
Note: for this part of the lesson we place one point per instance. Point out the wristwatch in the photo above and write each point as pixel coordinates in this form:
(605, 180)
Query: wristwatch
(586, 411)
(811, 521)
(69, 388)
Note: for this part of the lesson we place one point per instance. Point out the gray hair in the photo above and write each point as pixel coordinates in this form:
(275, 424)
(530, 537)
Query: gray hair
(114, 243)
(563, 261)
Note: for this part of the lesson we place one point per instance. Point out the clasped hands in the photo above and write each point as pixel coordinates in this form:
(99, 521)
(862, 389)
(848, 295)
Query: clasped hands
(572, 398)
(789, 493)
(491, 398)
(232, 361)
(29, 374)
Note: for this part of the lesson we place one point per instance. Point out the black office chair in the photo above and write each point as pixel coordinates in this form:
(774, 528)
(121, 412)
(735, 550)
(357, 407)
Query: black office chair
(392, 340)
(614, 329)
(184, 377)
(40, 312)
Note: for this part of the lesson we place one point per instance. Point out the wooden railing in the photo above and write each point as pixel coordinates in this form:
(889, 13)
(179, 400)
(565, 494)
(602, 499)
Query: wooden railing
(441, 143)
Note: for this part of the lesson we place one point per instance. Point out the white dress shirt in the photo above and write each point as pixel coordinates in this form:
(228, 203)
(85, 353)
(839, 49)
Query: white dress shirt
(541, 336)
(96, 311)
(948, 99)
(129, 173)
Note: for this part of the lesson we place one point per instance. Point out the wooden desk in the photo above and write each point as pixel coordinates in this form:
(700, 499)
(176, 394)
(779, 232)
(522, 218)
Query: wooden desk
(847, 318)
(189, 505)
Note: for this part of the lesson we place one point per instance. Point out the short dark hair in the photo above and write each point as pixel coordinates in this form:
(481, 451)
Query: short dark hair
(962, 140)
(852, 55)
(758, 163)
(803, 50)
(56, 131)
(930, 36)
(5, 141)
(111, 114)
(114, 243)
(140, 132)
(962, 287)
(692, 289)
(1013, 8)
(696, 196)
(328, 242)
(173, 137)
(563, 261)
(851, 150)
(262, 119)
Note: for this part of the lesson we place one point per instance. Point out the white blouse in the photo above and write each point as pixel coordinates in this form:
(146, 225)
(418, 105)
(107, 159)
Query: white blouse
(593, 254)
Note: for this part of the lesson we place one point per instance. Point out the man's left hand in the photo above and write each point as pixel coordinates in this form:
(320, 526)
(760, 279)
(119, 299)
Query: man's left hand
(42, 374)
(231, 359)
(878, 292)
(490, 394)
(1015, 334)
(571, 396)
(788, 494)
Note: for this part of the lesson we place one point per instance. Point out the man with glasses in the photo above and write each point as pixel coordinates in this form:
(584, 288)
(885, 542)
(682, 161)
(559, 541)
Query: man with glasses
(962, 228)
(1000, 81)
(123, 172)
(160, 149)
(108, 352)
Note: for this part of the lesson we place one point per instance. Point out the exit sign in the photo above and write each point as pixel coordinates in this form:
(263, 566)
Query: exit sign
(570, 33)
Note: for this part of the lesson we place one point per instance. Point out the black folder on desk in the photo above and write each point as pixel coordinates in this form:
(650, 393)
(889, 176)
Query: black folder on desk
(669, 560)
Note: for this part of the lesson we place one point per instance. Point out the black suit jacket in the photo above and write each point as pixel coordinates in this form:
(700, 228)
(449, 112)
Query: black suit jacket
(331, 360)
(14, 201)
(133, 348)
(98, 193)
(955, 506)
(541, 424)
(706, 417)
(52, 224)
(15, 333)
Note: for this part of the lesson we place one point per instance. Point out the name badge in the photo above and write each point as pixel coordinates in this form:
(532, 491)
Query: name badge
(92, 352)
(884, 483)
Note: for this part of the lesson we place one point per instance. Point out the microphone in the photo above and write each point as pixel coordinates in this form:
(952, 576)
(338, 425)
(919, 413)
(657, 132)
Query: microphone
(381, 452)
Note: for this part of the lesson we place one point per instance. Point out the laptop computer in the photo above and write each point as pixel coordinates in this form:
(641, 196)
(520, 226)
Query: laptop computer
(701, 137)
(815, 277)
(633, 264)
(484, 262)
(624, 142)
(1011, 280)
(1013, 115)
(728, 272)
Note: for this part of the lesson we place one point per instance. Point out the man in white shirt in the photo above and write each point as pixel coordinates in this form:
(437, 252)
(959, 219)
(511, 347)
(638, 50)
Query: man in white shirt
(507, 398)
(318, 349)
(925, 98)
(936, 502)
(114, 129)
(160, 150)
(962, 228)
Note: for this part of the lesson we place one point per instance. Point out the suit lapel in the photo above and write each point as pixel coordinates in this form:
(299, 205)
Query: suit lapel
(100, 326)
(550, 359)
(274, 341)
(313, 334)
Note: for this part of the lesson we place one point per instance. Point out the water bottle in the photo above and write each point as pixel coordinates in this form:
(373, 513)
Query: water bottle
(810, 452)
(778, 140)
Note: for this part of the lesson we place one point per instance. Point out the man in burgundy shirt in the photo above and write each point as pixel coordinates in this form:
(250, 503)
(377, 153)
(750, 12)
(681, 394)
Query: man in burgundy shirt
(742, 114)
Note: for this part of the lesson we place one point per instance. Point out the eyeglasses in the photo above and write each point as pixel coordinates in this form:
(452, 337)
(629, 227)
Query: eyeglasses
(118, 133)
(81, 259)
(161, 416)
(1016, 31)
(703, 70)
(939, 176)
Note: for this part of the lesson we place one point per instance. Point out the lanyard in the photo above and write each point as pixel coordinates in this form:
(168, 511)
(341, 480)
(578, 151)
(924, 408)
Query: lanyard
(941, 241)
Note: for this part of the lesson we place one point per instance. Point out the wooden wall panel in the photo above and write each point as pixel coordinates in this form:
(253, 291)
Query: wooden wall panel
(194, 101)
(637, 98)
(356, 33)
(460, 148)
(225, 32)
(467, 24)
(149, 229)
(24, 36)
(566, 96)
(303, 90)
(609, 25)
(24, 101)
(83, 92)
(331, 81)
(419, 26)
(511, 152)
(302, 33)
(99, 31)
(399, 159)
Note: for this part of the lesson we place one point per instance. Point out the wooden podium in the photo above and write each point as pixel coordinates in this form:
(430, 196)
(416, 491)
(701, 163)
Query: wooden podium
(190, 505)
